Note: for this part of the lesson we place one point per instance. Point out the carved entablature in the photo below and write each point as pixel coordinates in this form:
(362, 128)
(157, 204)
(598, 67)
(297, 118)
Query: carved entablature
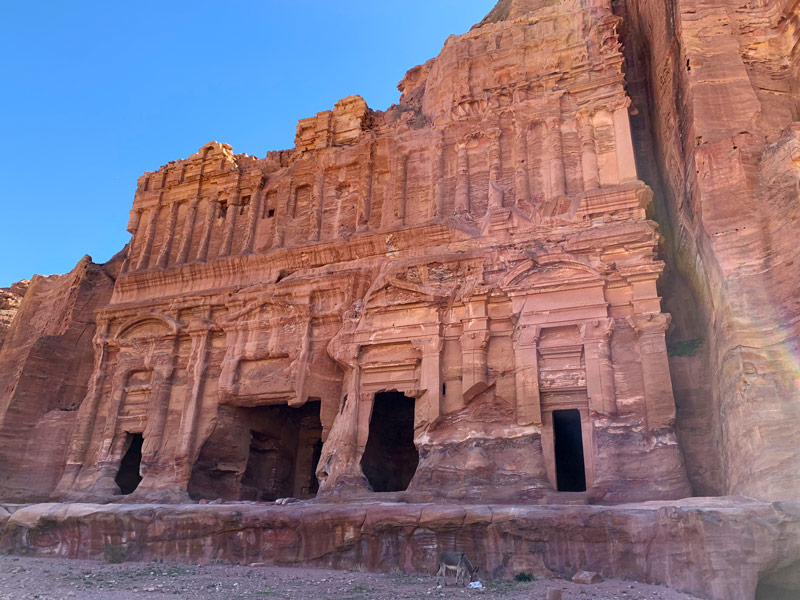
(267, 353)
(386, 367)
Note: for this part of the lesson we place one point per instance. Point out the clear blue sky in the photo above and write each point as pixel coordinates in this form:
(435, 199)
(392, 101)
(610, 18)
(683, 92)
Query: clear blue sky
(95, 93)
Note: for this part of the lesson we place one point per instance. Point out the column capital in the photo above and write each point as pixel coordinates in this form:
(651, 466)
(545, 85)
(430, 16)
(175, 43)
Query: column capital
(527, 335)
(650, 323)
(428, 346)
(597, 329)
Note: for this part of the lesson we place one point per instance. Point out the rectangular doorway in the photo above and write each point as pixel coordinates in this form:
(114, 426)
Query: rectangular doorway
(128, 476)
(568, 442)
(285, 447)
(390, 459)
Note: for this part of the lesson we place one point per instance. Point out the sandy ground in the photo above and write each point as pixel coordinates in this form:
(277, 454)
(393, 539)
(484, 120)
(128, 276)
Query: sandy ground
(24, 578)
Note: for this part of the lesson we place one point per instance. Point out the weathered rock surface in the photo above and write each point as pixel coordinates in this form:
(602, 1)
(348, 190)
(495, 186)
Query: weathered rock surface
(713, 548)
(45, 364)
(10, 299)
(715, 85)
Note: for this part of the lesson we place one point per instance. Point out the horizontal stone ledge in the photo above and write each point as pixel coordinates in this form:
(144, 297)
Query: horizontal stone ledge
(715, 548)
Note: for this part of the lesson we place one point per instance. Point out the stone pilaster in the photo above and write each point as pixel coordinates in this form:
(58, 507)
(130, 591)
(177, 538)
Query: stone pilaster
(555, 147)
(401, 165)
(495, 170)
(428, 406)
(211, 212)
(522, 190)
(230, 224)
(599, 366)
(166, 246)
(591, 178)
(462, 180)
(526, 369)
(474, 341)
(188, 231)
(364, 207)
(659, 399)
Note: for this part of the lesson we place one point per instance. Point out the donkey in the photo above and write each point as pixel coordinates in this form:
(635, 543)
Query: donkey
(458, 562)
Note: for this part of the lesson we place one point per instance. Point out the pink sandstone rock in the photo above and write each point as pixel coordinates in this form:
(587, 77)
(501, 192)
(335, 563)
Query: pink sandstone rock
(714, 87)
(457, 300)
(713, 548)
(10, 299)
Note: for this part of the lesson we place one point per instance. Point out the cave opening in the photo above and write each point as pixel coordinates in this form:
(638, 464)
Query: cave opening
(128, 476)
(285, 447)
(570, 465)
(390, 458)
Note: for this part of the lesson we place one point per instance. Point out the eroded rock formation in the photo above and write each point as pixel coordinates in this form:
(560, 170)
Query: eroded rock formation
(45, 363)
(715, 85)
(10, 299)
(716, 548)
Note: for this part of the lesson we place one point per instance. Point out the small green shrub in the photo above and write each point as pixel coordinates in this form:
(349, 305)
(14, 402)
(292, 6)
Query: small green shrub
(524, 577)
(115, 554)
(684, 348)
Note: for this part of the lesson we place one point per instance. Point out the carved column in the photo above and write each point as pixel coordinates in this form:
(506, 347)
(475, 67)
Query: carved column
(230, 223)
(150, 234)
(526, 369)
(522, 190)
(600, 384)
(118, 381)
(558, 178)
(200, 332)
(462, 180)
(659, 400)
(536, 137)
(428, 406)
(591, 178)
(211, 213)
(158, 410)
(188, 230)
(87, 414)
(626, 161)
(401, 164)
(166, 246)
(495, 170)
(364, 207)
(437, 175)
(252, 219)
(474, 342)
(319, 202)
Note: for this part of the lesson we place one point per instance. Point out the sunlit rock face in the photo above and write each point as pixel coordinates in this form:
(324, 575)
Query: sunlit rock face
(715, 88)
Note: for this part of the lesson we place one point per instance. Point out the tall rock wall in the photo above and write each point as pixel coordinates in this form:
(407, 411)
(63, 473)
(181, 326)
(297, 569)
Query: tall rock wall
(45, 364)
(715, 82)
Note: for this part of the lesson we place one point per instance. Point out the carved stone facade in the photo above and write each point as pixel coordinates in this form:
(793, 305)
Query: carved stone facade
(474, 266)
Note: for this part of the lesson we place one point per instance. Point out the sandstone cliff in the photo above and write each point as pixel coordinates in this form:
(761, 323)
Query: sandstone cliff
(715, 88)
(10, 299)
(45, 365)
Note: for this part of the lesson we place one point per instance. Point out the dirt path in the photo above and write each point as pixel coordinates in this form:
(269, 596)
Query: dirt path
(24, 578)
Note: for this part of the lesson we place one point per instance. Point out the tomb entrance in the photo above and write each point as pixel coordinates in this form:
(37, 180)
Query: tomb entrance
(390, 458)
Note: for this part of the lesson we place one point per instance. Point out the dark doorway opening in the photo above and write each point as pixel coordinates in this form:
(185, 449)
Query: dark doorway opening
(570, 466)
(766, 591)
(128, 477)
(390, 458)
(285, 447)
